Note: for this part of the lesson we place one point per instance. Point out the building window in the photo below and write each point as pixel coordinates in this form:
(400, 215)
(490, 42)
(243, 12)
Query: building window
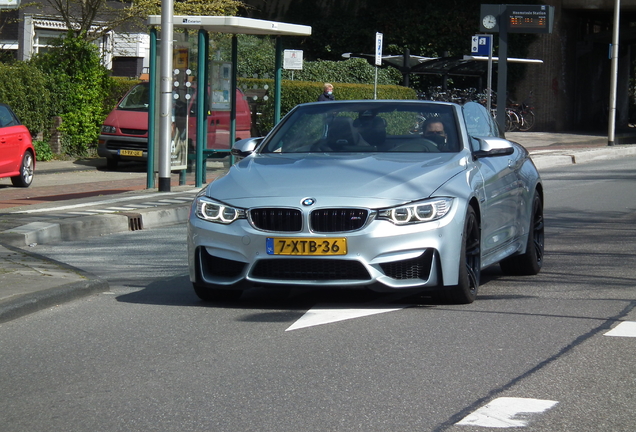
(43, 39)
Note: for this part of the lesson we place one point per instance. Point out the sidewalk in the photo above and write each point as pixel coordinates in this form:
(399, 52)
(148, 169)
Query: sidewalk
(30, 282)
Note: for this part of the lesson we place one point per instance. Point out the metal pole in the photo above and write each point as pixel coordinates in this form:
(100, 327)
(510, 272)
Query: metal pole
(233, 85)
(201, 110)
(611, 123)
(502, 71)
(152, 100)
(278, 75)
(165, 96)
(406, 67)
(375, 84)
(489, 82)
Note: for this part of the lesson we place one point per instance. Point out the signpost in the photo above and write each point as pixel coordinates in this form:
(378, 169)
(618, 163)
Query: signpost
(378, 61)
(293, 60)
(481, 45)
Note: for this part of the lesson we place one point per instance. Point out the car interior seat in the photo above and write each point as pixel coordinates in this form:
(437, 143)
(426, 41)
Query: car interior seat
(342, 134)
(372, 130)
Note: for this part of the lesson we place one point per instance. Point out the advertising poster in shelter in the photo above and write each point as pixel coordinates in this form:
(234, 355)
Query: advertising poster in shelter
(182, 94)
(220, 83)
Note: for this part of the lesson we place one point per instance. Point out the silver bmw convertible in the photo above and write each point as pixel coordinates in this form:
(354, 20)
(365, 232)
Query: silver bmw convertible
(386, 195)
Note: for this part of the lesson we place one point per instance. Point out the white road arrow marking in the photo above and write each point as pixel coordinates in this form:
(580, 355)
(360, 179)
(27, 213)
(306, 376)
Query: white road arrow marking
(328, 314)
(624, 329)
(500, 412)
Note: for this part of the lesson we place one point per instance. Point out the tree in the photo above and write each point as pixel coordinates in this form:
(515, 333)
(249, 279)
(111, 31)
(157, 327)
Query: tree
(90, 19)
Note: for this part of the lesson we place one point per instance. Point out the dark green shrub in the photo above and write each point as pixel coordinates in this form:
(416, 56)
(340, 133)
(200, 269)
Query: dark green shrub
(79, 86)
(297, 92)
(43, 151)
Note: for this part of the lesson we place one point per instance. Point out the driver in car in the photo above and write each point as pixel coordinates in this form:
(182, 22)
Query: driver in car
(434, 131)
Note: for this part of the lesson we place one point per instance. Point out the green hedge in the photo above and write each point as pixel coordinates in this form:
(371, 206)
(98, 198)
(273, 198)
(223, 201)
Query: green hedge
(27, 90)
(297, 92)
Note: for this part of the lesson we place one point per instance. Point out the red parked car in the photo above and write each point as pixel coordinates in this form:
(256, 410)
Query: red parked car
(17, 154)
(124, 133)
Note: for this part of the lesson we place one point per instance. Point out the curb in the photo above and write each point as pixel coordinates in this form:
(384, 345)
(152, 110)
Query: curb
(19, 306)
(80, 228)
(551, 158)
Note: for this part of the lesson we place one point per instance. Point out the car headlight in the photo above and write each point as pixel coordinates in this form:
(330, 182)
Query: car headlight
(423, 211)
(109, 129)
(213, 211)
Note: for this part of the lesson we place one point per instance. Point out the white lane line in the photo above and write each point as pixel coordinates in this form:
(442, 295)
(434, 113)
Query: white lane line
(501, 412)
(109, 201)
(624, 329)
(324, 315)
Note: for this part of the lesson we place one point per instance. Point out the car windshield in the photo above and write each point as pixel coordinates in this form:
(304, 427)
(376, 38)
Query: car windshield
(367, 126)
(137, 99)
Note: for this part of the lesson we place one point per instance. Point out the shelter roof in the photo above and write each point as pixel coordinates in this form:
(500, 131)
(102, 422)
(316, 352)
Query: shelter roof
(234, 25)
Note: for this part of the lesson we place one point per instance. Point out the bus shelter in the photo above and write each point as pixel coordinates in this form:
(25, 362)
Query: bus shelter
(204, 25)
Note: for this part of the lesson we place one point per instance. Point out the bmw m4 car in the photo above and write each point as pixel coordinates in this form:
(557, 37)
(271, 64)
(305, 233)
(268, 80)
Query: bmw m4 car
(382, 194)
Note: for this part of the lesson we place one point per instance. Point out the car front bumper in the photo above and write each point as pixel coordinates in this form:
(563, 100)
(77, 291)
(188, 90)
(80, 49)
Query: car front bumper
(110, 146)
(381, 256)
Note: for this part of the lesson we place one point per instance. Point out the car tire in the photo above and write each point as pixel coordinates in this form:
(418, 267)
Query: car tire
(469, 264)
(531, 261)
(26, 171)
(208, 294)
(111, 164)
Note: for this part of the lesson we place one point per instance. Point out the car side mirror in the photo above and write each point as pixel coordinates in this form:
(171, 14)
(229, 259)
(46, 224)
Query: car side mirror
(245, 147)
(492, 147)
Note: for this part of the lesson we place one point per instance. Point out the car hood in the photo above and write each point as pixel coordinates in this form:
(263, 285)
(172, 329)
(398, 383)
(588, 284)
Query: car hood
(125, 119)
(365, 180)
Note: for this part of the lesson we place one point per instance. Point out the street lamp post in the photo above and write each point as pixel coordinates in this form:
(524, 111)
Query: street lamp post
(165, 95)
(611, 121)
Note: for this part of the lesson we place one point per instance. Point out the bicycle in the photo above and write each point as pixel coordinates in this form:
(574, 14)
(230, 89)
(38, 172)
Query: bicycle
(525, 112)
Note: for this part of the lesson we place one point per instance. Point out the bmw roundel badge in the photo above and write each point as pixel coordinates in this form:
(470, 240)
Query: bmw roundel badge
(308, 201)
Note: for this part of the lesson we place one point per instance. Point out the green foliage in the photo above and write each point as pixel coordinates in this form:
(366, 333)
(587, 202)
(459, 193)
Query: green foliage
(256, 59)
(27, 90)
(297, 92)
(354, 71)
(79, 86)
(43, 151)
(426, 28)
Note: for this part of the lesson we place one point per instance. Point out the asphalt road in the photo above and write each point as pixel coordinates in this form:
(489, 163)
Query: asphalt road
(149, 356)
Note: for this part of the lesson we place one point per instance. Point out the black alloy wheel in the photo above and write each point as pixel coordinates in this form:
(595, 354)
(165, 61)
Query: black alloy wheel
(469, 266)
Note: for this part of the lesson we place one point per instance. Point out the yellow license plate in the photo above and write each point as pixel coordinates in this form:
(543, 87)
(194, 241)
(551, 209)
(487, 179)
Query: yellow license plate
(138, 153)
(306, 246)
